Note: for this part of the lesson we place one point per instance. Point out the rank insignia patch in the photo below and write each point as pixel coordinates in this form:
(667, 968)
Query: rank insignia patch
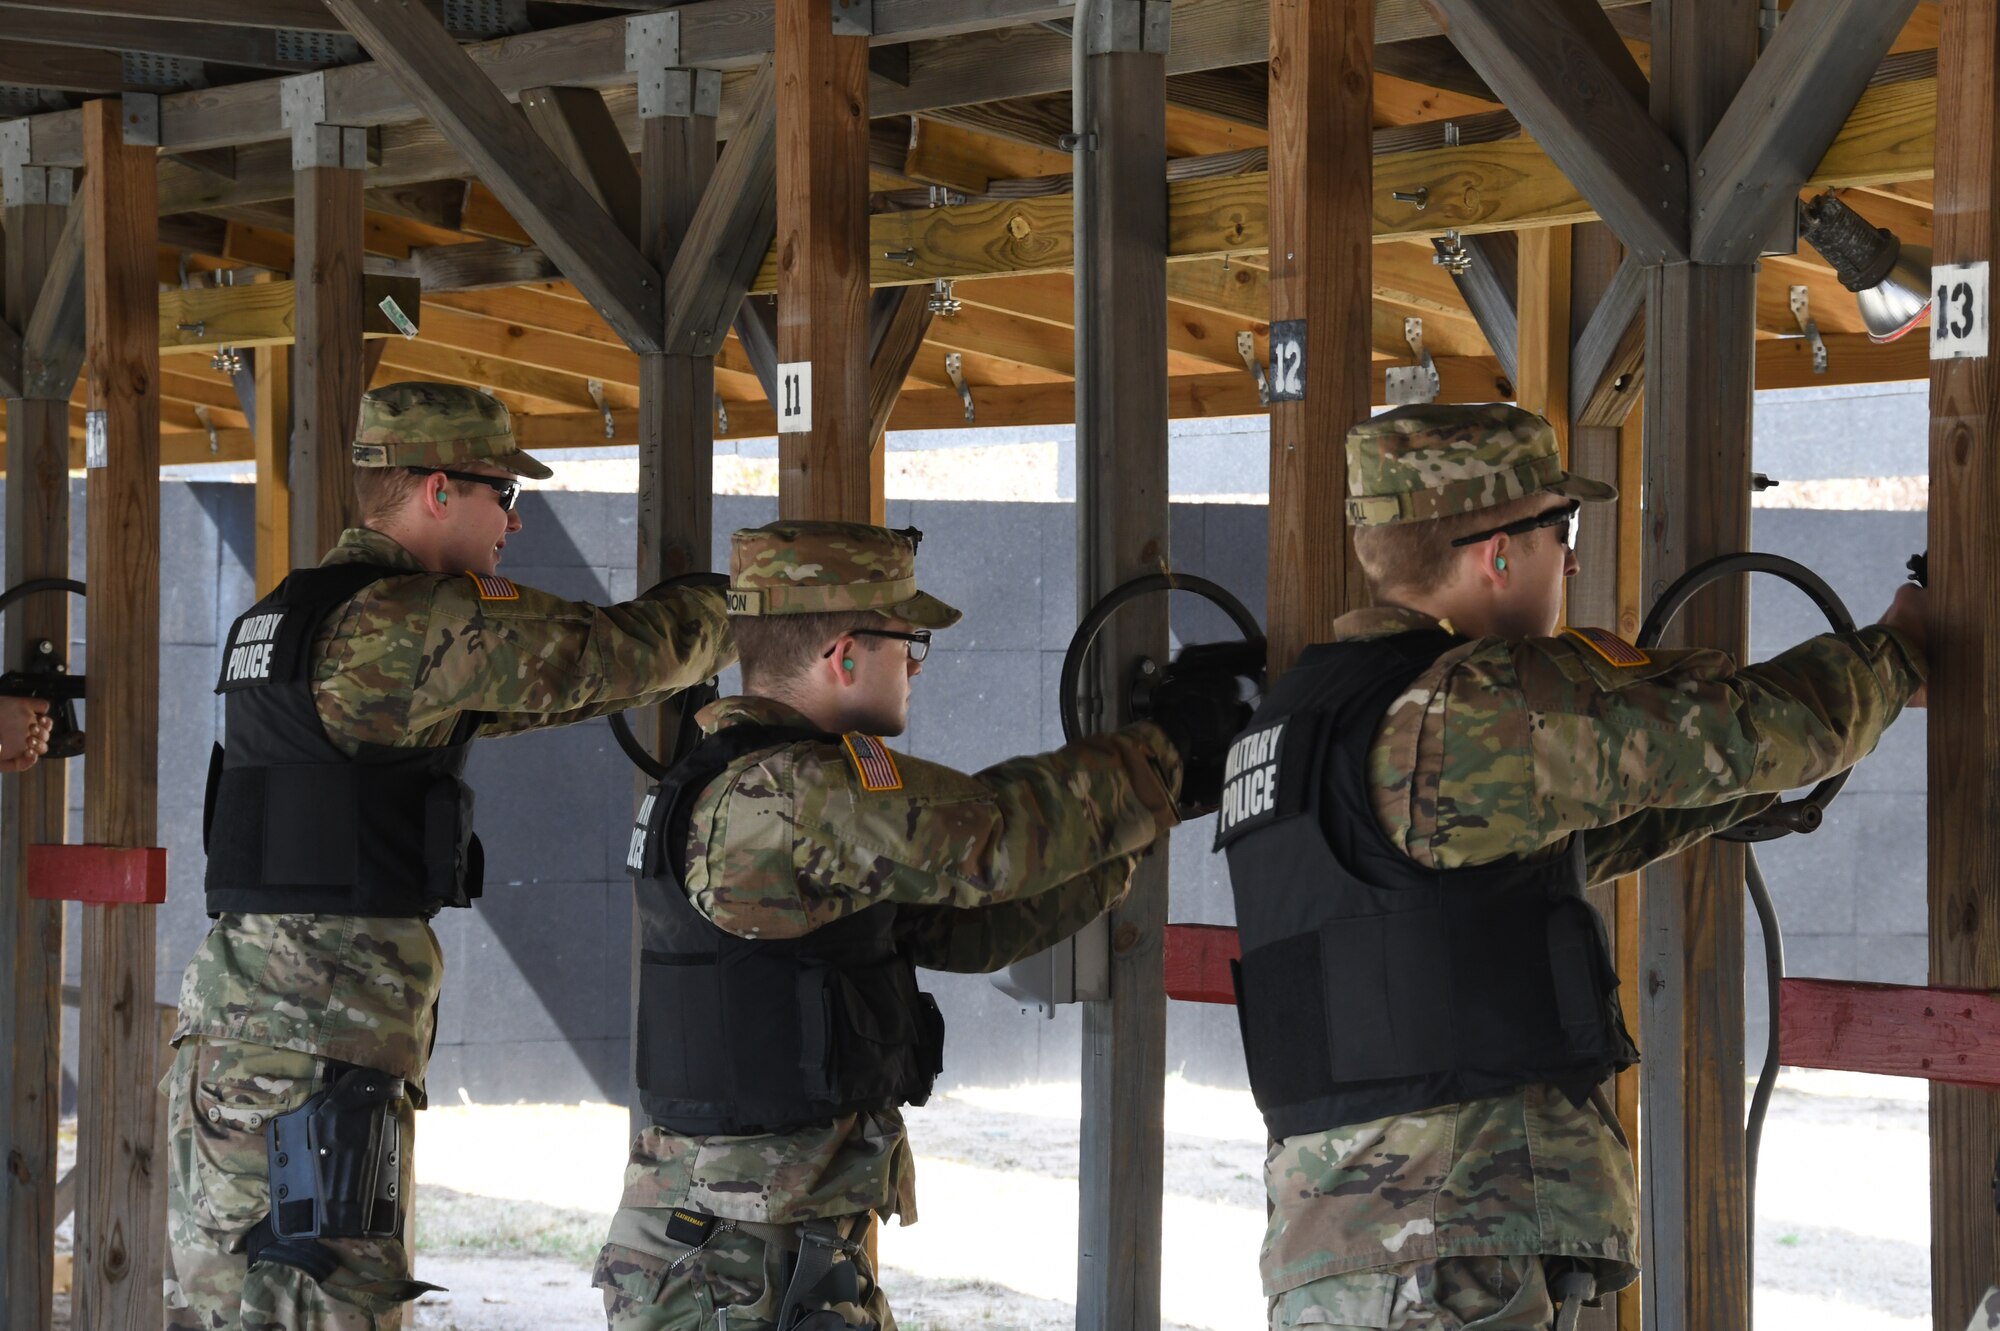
(1609, 646)
(493, 587)
(873, 761)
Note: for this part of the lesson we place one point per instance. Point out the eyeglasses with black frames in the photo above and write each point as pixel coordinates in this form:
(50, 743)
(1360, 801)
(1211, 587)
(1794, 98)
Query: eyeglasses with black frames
(506, 487)
(1564, 518)
(917, 643)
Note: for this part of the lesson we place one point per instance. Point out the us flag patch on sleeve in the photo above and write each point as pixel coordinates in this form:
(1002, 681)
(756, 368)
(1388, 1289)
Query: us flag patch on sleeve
(493, 587)
(873, 761)
(1610, 646)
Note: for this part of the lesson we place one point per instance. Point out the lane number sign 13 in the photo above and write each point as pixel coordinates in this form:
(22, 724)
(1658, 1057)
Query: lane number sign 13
(1288, 360)
(1961, 311)
(795, 397)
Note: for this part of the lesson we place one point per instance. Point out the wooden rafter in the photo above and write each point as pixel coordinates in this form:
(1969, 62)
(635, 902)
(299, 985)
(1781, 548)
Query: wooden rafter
(219, 43)
(52, 343)
(1568, 77)
(306, 15)
(1488, 289)
(1783, 120)
(585, 136)
(731, 230)
(569, 225)
(1606, 364)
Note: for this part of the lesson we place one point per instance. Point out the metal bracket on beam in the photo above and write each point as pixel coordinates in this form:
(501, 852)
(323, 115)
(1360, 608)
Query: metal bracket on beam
(679, 93)
(942, 300)
(596, 388)
(302, 107)
(1409, 385)
(141, 119)
(1246, 347)
(1802, 311)
(1452, 255)
(652, 42)
(854, 18)
(14, 160)
(201, 414)
(1126, 25)
(721, 416)
(954, 371)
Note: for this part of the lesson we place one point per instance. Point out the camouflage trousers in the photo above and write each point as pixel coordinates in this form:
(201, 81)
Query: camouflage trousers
(220, 1094)
(1445, 1294)
(736, 1281)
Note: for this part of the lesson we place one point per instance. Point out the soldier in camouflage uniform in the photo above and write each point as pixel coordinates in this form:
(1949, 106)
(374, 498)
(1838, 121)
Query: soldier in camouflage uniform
(431, 648)
(1505, 750)
(793, 839)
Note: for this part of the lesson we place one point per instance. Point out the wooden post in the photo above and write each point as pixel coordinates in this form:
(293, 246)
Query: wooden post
(1541, 380)
(1700, 324)
(327, 168)
(823, 263)
(1121, 415)
(271, 433)
(905, 321)
(33, 805)
(1322, 54)
(118, 1247)
(1965, 665)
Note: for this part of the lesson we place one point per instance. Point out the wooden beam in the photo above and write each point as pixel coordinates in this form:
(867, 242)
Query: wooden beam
(480, 266)
(225, 44)
(1121, 490)
(757, 330)
(730, 232)
(267, 313)
(577, 124)
(119, 1155)
(1435, 63)
(1699, 367)
(908, 320)
(1567, 75)
(1780, 125)
(34, 807)
(1892, 1030)
(1488, 289)
(303, 14)
(62, 69)
(526, 174)
(10, 361)
(822, 179)
(271, 431)
(1542, 381)
(1965, 661)
(52, 337)
(1609, 361)
(326, 366)
(1319, 234)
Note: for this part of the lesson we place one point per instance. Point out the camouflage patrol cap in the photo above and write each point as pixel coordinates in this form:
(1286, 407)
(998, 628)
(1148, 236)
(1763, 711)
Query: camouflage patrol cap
(419, 424)
(800, 567)
(1432, 460)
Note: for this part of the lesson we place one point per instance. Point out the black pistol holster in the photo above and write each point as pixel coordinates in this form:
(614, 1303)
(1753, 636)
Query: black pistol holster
(335, 1163)
(826, 1270)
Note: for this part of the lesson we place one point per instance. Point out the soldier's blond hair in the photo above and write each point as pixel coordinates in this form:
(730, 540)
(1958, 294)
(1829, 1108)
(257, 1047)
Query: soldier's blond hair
(381, 492)
(1415, 558)
(777, 649)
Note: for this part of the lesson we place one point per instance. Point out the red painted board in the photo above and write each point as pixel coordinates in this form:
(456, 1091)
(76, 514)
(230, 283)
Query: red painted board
(99, 875)
(1900, 1030)
(1197, 962)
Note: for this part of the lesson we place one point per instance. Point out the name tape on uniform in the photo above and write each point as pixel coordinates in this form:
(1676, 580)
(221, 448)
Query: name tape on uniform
(250, 648)
(1250, 780)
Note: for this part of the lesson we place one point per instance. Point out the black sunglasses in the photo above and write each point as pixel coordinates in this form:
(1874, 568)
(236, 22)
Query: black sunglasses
(1565, 518)
(506, 487)
(918, 644)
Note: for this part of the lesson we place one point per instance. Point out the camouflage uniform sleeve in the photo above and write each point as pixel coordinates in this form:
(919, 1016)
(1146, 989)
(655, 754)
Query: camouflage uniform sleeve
(1630, 844)
(1524, 743)
(979, 939)
(539, 660)
(792, 845)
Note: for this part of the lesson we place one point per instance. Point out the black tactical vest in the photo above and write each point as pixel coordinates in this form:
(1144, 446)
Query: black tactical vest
(1370, 985)
(294, 825)
(741, 1036)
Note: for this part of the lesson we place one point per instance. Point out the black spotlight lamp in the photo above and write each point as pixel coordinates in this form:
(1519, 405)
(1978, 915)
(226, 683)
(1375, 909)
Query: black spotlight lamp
(1891, 281)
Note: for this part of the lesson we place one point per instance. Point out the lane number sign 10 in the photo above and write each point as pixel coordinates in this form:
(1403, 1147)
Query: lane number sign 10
(1961, 311)
(1288, 360)
(795, 397)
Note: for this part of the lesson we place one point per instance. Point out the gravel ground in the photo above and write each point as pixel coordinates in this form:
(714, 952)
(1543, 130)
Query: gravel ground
(1843, 1232)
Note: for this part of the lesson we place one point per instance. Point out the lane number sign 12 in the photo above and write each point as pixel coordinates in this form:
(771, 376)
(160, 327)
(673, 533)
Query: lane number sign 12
(1288, 360)
(795, 397)
(1961, 311)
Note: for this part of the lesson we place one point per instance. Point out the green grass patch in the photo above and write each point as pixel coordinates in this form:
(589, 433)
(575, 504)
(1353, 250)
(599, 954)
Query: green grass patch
(453, 1222)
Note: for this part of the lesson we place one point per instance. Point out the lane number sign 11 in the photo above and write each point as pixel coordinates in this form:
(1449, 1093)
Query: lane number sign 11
(795, 397)
(1961, 311)
(1288, 360)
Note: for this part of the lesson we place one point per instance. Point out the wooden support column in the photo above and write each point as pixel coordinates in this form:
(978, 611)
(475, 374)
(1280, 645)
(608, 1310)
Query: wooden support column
(119, 1159)
(1322, 54)
(1700, 361)
(271, 433)
(1121, 425)
(823, 258)
(1541, 379)
(328, 162)
(1964, 858)
(33, 805)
